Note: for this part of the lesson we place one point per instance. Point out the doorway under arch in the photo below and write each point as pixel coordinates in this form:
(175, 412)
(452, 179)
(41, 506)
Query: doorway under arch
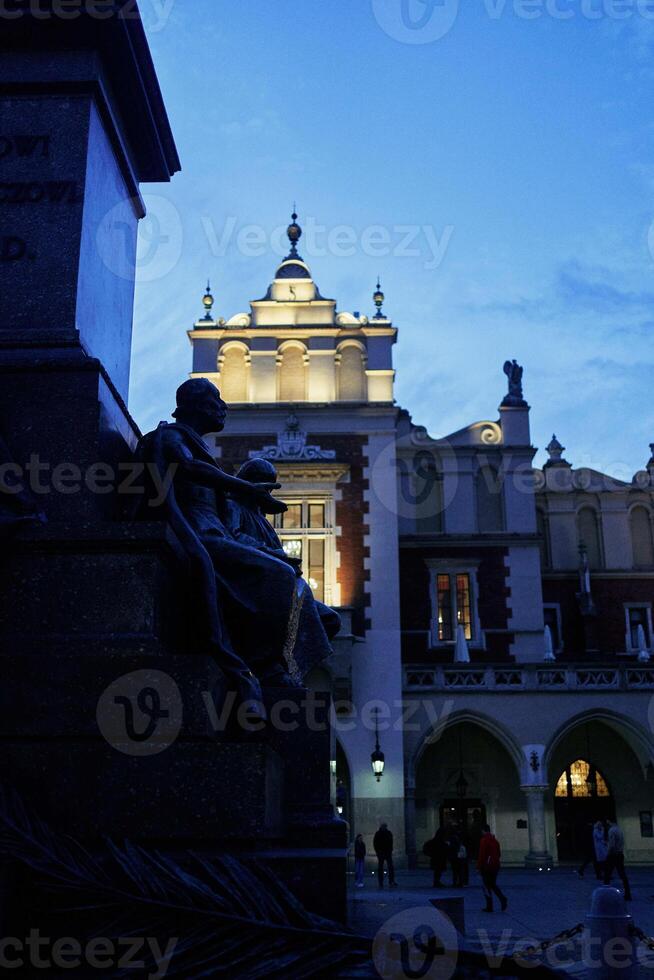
(465, 778)
(597, 770)
(581, 797)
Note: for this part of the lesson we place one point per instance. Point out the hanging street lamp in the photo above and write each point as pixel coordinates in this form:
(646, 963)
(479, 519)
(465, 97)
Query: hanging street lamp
(377, 759)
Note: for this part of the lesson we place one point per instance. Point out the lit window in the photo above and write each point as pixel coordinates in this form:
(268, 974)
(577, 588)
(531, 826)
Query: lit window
(454, 605)
(292, 518)
(306, 534)
(316, 515)
(578, 781)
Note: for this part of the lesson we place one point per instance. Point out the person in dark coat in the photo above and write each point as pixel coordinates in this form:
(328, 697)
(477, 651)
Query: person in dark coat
(436, 851)
(383, 845)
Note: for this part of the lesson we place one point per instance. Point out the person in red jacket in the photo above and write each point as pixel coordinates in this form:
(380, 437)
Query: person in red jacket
(488, 864)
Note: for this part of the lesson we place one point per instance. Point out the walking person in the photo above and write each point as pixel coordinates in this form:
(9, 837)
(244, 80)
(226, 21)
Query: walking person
(601, 848)
(359, 860)
(588, 850)
(383, 845)
(464, 871)
(436, 851)
(488, 864)
(453, 849)
(615, 859)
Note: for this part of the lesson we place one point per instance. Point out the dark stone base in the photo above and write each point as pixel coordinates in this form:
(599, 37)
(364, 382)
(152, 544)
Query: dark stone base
(81, 611)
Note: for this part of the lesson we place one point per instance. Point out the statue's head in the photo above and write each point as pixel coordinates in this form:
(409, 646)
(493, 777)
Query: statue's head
(258, 471)
(199, 404)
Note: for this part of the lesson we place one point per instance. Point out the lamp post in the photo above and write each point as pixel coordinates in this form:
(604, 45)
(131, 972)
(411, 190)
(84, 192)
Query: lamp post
(377, 760)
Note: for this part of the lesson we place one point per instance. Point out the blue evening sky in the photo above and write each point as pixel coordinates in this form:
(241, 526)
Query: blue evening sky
(516, 150)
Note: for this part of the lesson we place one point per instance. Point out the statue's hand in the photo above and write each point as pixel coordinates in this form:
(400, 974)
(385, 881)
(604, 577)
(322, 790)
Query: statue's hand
(267, 487)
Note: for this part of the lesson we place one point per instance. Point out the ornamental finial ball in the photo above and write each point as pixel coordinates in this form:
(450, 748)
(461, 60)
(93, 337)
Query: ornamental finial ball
(378, 297)
(207, 299)
(294, 231)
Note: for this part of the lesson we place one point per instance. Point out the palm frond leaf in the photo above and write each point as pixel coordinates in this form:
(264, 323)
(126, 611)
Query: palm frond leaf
(229, 917)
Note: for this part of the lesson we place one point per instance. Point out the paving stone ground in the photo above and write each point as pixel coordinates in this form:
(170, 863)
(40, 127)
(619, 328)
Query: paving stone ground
(541, 905)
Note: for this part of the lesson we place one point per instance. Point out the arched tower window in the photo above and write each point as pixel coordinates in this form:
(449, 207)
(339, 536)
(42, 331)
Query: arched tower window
(292, 375)
(490, 500)
(351, 374)
(234, 375)
(641, 537)
(589, 536)
(542, 527)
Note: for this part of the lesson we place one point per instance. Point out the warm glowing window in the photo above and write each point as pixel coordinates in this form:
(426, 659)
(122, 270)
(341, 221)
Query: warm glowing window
(454, 603)
(307, 533)
(292, 376)
(234, 375)
(351, 375)
(580, 780)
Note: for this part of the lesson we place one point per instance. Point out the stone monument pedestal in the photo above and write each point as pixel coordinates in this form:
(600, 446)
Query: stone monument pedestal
(91, 620)
(107, 706)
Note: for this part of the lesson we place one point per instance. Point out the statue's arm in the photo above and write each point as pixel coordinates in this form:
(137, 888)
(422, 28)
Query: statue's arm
(211, 475)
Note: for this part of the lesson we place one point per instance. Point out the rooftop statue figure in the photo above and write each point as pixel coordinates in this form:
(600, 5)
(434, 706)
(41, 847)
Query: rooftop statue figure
(262, 624)
(515, 397)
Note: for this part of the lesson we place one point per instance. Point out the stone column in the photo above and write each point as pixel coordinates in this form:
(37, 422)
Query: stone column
(538, 855)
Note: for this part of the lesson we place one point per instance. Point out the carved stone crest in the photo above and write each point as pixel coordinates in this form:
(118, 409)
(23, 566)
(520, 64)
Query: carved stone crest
(292, 445)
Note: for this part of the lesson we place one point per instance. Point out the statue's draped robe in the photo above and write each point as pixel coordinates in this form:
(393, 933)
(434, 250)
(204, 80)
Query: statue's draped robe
(256, 606)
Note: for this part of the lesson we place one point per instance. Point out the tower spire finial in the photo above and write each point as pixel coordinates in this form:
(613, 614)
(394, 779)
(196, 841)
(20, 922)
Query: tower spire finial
(294, 233)
(378, 299)
(208, 301)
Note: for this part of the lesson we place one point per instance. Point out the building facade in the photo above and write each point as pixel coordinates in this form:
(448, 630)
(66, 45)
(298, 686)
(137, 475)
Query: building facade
(497, 618)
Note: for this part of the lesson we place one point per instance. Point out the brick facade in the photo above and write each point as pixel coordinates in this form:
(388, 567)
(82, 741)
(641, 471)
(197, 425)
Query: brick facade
(609, 595)
(415, 601)
(350, 510)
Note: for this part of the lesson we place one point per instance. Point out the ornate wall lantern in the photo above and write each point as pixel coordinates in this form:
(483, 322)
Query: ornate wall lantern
(377, 759)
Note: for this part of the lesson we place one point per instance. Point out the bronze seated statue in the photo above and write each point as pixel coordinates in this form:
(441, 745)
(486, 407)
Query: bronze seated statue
(262, 623)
